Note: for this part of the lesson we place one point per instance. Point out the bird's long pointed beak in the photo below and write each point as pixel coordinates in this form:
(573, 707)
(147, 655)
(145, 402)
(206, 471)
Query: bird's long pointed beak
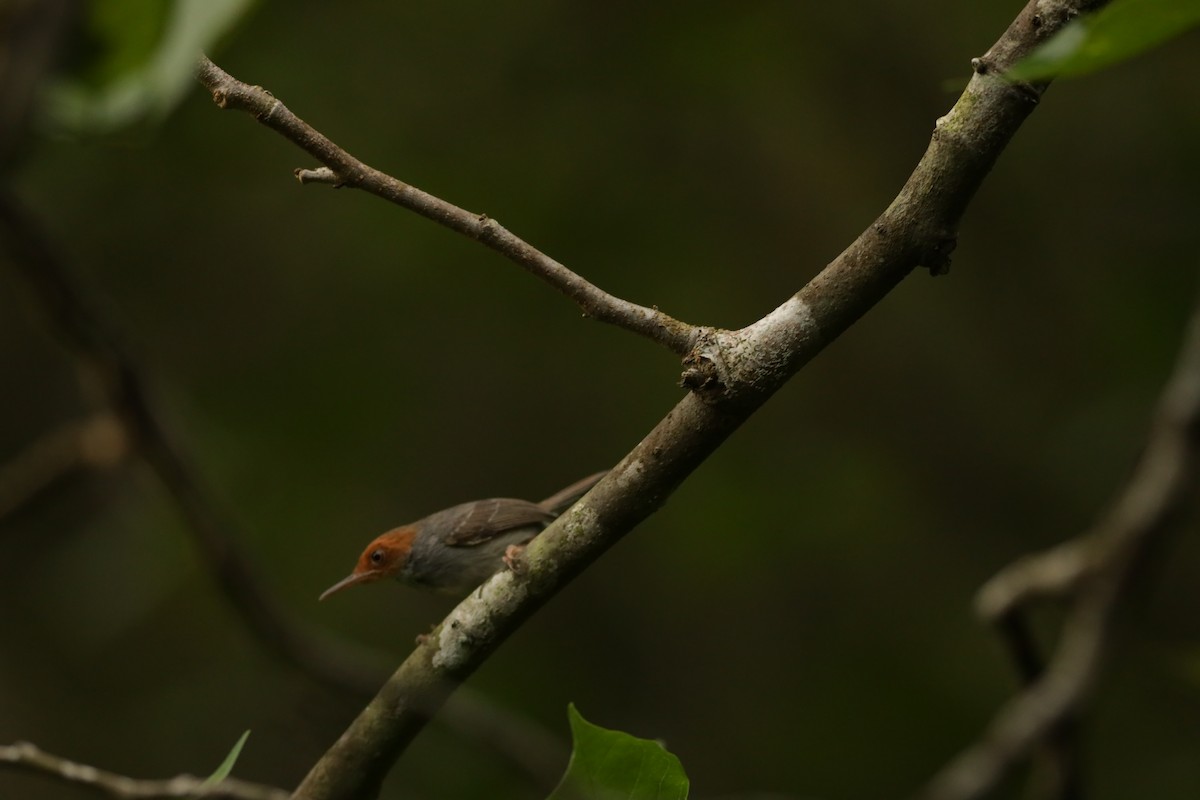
(350, 580)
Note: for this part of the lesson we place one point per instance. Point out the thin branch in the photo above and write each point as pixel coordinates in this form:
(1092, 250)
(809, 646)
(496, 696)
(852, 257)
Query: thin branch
(1095, 569)
(28, 758)
(134, 422)
(343, 169)
(98, 442)
(731, 374)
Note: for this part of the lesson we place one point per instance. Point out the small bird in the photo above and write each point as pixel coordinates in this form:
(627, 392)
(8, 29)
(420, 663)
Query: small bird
(456, 549)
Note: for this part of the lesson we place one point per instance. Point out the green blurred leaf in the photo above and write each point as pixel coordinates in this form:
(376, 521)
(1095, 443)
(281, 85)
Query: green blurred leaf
(145, 54)
(123, 35)
(611, 765)
(1116, 33)
(222, 772)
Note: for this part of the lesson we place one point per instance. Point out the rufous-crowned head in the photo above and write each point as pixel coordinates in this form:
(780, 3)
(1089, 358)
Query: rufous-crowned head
(384, 557)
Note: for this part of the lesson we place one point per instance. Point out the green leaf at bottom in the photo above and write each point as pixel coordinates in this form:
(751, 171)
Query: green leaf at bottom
(222, 772)
(611, 765)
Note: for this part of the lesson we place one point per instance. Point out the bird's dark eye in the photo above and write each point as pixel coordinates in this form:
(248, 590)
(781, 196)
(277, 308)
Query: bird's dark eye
(377, 557)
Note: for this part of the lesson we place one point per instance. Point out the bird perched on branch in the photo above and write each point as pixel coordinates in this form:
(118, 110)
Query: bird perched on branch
(458, 548)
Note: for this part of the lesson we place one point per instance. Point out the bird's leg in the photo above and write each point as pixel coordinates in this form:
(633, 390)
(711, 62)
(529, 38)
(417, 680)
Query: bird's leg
(512, 557)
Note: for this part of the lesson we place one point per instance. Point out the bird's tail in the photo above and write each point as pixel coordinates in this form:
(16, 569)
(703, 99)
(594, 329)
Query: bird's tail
(563, 499)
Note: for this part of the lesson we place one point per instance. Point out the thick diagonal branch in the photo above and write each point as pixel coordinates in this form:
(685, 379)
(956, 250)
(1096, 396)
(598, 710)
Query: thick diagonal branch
(732, 374)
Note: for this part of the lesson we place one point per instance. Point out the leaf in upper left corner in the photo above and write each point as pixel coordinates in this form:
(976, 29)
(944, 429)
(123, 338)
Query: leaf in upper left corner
(141, 56)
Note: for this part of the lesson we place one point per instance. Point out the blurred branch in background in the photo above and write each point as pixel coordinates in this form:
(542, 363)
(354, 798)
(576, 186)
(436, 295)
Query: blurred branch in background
(343, 169)
(132, 422)
(1093, 571)
(29, 758)
(97, 442)
(124, 390)
(31, 32)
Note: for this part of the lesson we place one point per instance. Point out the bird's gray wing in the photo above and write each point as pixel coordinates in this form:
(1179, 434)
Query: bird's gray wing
(472, 524)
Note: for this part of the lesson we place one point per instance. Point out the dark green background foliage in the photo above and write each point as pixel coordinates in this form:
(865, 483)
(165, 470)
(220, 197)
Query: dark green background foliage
(797, 618)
